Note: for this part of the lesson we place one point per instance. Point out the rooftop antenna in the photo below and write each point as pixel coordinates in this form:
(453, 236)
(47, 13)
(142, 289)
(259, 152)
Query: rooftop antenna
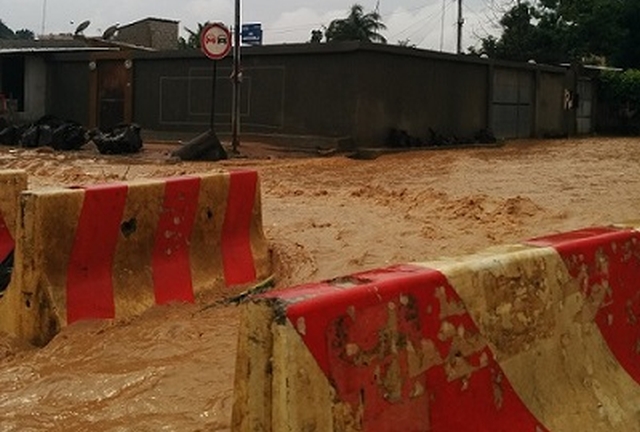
(82, 27)
(110, 32)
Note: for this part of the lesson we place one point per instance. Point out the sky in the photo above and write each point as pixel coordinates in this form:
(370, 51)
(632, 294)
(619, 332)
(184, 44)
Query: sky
(429, 24)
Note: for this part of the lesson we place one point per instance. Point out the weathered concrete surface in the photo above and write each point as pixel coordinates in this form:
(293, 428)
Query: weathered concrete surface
(534, 336)
(115, 250)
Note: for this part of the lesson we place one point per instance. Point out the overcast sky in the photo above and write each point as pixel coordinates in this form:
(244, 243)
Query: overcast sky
(283, 21)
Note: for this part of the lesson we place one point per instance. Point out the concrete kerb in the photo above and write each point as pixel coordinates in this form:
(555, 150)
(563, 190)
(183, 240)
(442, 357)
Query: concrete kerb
(112, 251)
(534, 337)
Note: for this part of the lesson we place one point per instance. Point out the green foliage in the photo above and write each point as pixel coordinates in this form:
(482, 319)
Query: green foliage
(357, 26)
(558, 31)
(316, 36)
(627, 54)
(5, 32)
(621, 88)
(193, 39)
(25, 34)
(406, 43)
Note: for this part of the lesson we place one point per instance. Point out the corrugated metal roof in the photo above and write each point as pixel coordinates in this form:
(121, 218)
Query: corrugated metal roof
(35, 50)
(77, 44)
(42, 43)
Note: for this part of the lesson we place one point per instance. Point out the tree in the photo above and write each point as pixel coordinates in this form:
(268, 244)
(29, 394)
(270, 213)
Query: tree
(193, 39)
(627, 54)
(406, 43)
(556, 31)
(5, 32)
(25, 34)
(357, 26)
(316, 36)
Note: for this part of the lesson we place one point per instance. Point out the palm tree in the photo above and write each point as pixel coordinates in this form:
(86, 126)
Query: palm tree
(193, 40)
(357, 26)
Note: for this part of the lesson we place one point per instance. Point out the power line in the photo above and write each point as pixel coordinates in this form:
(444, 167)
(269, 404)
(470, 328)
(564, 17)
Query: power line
(431, 31)
(423, 21)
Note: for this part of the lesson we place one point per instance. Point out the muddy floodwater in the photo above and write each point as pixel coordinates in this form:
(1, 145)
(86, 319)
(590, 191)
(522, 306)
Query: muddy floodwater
(172, 368)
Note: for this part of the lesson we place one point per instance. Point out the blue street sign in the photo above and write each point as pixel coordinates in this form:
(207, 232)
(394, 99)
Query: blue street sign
(252, 34)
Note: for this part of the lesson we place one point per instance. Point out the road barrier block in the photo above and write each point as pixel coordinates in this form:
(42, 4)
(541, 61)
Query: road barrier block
(12, 183)
(529, 337)
(112, 251)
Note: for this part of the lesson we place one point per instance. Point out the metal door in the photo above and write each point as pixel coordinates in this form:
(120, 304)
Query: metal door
(584, 108)
(113, 80)
(512, 103)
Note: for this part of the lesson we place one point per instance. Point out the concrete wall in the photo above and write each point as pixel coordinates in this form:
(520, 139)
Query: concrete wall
(35, 88)
(304, 95)
(550, 108)
(415, 93)
(153, 33)
(68, 88)
(334, 90)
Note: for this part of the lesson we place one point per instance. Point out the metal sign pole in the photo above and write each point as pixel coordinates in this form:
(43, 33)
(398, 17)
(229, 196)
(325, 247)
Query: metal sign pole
(214, 80)
(235, 121)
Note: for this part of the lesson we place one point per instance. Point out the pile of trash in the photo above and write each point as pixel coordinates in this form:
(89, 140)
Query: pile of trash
(65, 135)
(398, 138)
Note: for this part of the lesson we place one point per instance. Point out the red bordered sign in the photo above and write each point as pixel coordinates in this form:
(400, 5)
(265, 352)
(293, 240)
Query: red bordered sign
(215, 41)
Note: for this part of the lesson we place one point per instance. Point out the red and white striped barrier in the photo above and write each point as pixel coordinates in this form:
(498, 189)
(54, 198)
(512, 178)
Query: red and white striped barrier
(110, 251)
(12, 183)
(540, 336)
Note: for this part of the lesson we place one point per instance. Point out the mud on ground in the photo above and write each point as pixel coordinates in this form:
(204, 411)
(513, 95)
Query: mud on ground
(172, 368)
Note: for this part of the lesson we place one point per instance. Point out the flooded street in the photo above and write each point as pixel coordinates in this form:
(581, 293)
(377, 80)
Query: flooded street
(172, 368)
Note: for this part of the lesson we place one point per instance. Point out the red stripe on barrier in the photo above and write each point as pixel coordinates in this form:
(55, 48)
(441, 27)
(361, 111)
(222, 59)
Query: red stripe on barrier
(237, 257)
(89, 275)
(171, 265)
(573, 238)
(399, 347)
(606, 264)
(6, 241)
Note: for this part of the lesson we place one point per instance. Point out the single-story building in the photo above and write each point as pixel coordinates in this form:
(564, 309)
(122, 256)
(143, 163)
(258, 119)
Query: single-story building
(333, 90)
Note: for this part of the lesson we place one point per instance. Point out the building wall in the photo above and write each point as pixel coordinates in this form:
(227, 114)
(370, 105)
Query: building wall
(35, 88)
(68, 88)
(338, 90)
(157, 34)
(550, 109)
(418, 94)
(298, 95)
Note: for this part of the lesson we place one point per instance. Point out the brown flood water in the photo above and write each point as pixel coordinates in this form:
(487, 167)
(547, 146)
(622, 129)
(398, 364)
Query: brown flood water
(172, 368)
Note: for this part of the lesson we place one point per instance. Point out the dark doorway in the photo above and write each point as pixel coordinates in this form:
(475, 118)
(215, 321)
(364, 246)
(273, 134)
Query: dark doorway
(13, 80)
(113, 83)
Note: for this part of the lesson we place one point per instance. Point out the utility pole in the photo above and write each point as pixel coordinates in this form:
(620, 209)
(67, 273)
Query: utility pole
(44, 16)
(460, 24)
(235, 117)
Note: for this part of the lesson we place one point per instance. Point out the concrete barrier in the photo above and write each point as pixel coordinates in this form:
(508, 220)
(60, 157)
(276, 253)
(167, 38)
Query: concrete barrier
(114, 250)
(12, 183)
(537, 336)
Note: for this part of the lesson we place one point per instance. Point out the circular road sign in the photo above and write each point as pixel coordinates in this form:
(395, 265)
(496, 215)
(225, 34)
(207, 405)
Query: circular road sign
(215, 41)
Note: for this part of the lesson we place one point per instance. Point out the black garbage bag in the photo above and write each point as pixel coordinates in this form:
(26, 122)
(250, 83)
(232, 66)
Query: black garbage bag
(123, 139)
(10, 136)
(6, 268)
(37, 136)
(69, 136)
